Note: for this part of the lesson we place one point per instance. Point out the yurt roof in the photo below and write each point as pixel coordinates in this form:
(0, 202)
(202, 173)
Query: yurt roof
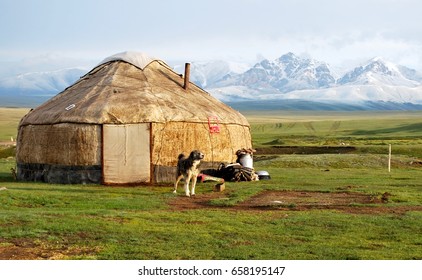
(138, 59)
(131, 87)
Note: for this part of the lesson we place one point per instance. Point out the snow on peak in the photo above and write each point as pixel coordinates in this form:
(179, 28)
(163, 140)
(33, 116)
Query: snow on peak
(48, 82)
(286, 73)
(378, 71)
(210, 72)
(288, 57)
(380, 64)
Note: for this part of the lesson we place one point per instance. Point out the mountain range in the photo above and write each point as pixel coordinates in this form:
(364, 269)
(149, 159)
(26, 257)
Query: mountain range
(32, 89)
(290, 80)
(294, 78)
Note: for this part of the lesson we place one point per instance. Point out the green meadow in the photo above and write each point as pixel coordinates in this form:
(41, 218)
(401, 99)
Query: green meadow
(335, 204)
(9, 120)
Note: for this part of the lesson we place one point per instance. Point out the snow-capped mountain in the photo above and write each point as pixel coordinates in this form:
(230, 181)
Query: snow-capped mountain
(288, 72)
(283, 80)
(206, 74)
(379, 71)
(291, 77)
(43, 82)
(32, 89)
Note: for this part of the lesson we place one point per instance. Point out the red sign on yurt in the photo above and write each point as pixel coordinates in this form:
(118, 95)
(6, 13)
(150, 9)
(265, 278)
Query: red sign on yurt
(214, 124)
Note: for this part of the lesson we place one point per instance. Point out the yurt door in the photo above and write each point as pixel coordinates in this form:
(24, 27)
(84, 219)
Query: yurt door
(126, 153)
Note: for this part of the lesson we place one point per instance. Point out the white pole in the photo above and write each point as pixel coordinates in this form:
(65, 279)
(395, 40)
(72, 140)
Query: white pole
(389, 157)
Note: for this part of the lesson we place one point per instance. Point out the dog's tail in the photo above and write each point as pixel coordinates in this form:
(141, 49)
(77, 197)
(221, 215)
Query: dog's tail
(180, 156)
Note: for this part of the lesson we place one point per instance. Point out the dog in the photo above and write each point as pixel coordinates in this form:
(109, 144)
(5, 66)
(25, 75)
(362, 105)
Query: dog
(187, 168)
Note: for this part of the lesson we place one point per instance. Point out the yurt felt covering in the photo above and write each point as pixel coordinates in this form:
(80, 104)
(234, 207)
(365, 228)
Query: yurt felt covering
(64, 139)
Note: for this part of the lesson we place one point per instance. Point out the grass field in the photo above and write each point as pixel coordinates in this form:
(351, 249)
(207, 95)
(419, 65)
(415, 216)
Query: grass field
(316, 206)
(9, 120)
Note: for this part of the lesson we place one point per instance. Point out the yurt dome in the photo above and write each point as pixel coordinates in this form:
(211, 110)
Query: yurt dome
(126, 121)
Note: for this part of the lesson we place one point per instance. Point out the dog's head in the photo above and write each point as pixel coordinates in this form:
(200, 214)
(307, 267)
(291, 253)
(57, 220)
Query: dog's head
(196, 155)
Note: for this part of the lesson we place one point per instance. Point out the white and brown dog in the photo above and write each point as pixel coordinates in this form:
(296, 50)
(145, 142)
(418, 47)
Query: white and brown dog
(187, 168)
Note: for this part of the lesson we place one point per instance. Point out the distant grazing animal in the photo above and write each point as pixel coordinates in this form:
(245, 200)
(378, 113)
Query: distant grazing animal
(187, 168)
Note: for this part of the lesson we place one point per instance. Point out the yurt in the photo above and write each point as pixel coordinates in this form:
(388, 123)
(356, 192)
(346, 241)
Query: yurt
(125, 122)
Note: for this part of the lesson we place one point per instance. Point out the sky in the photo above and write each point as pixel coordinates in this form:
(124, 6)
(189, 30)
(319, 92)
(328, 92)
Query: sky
(52, 34)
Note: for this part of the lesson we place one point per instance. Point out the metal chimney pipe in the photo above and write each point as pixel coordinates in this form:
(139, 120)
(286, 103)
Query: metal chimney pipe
(187, 74)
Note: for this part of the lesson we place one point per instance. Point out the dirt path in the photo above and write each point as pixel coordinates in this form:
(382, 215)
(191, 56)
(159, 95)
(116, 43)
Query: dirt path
(348, 202)
(28, 249)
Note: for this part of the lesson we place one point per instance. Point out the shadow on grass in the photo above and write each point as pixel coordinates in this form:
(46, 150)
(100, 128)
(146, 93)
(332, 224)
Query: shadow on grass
(410, 128)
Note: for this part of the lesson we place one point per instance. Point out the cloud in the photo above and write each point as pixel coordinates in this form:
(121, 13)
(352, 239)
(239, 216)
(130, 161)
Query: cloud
(329, 30)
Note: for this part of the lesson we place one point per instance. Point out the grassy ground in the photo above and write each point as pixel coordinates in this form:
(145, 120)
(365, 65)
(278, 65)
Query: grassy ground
(45, 221)
(390, 127)
(96, 222)
(9, 120)
(367, 132)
